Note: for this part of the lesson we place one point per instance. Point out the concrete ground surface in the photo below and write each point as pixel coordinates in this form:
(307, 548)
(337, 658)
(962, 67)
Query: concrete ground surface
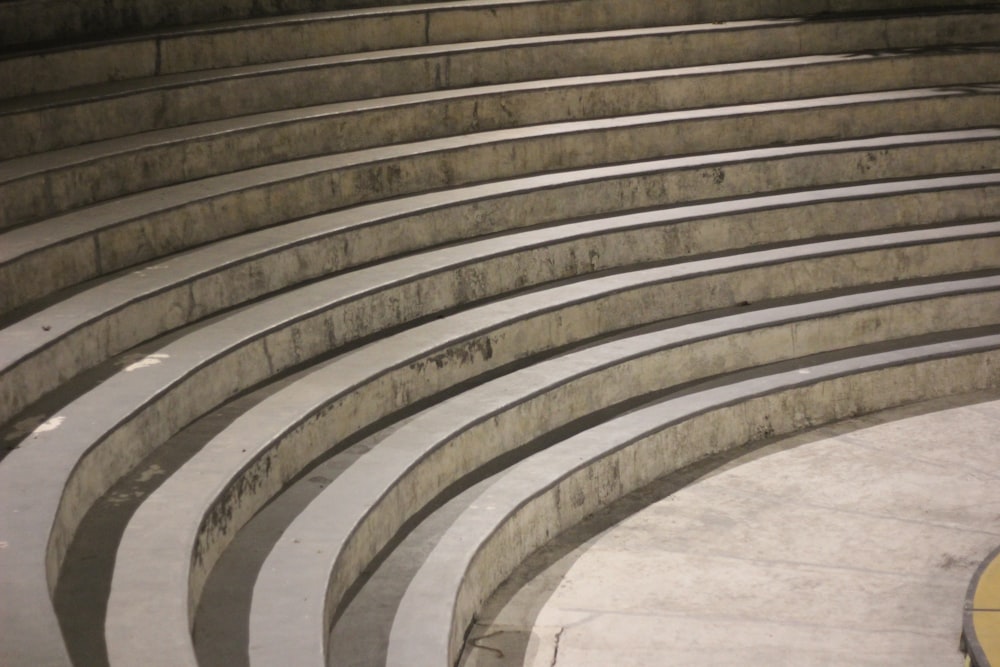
(851, 544)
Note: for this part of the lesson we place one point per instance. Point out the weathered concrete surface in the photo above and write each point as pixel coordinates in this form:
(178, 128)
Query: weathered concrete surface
(28, 71)
(455, 173)
(847, 545)
(68, 118)
(336, 537)
(102, 170)
(554, 489)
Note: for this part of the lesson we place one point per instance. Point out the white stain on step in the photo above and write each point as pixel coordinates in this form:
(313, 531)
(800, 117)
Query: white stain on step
(146, 362)
(33, 425)
(149, 473)
(50, 424)
(24, 427)
(124, 497)
(146, 269)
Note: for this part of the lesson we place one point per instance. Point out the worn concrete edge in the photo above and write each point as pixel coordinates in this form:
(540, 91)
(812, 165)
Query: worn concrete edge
(226, 23)
(111, 90)
(37, 105)
(157, 537)
(428, 10)
(289, 616)
(65, 158)
(429, 628)
(58, 476)
(134, 208)
(25, 351)
(58, 167)
(421, 25)
(225, 17)
(111, 224)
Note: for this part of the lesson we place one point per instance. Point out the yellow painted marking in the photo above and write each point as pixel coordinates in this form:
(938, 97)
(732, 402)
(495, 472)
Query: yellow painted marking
(987, 624)
(988, 589)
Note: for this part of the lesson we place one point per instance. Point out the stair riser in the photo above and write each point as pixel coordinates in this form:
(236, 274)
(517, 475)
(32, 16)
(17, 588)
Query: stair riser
(103, 329)
(288, 345)
(32, 128)
(188, 183)
(162, 232)
(83, 336)
(388, 489)
(498, 540)
(575, 400)
(166, 162)
(240, 43)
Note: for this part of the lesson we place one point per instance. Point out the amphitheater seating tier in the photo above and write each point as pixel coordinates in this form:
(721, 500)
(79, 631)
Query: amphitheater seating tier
(592, 241)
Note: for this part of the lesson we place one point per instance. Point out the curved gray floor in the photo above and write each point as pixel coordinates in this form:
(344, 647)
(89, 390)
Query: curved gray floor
(851, 544)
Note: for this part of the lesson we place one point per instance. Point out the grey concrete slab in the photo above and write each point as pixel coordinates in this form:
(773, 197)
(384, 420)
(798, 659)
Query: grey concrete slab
(561, 485)
(62, 119)
(332, 542)
(107, 237)
(750, 517)
(55, 475)
(85, 329)
(94, 172)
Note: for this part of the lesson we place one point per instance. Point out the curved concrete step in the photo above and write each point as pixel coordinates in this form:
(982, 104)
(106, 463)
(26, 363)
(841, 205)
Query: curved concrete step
(108, 237)
(741, 555)
(493, 206)
(48, 483)
(256, 41)
(45, 21)
(57, 473)
(335, 539)
(62, 119)
(95, 172)
(237, 504)
(556, 488)
(28, 21)
(85, 329)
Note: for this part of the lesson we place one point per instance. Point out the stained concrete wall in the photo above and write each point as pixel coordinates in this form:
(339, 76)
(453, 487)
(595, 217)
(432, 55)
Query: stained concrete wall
(24, 22)
(27, 24)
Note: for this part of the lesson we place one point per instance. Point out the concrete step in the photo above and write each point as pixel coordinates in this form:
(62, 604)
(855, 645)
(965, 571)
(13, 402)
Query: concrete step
(108, 237)
(449, 195)
(55, 20)
(228, 498)
(555, 489)
(419, 461)
(99, 171)
(45, 349)
(62, 119)
(58, 472)
(678, 569)
(287, 34)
